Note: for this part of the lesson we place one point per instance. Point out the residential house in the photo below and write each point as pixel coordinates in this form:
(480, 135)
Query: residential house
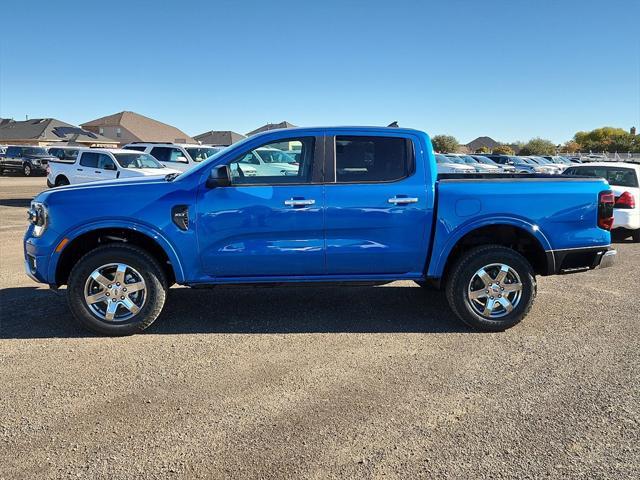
(49, 131)
(126, 127)
(219, 138)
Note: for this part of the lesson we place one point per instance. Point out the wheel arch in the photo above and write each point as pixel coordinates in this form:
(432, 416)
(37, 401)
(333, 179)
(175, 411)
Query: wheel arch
(523, 237)
(87, 238)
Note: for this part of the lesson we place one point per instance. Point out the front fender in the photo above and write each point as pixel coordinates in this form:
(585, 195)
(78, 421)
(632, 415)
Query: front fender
(140, 227)
(445, 241)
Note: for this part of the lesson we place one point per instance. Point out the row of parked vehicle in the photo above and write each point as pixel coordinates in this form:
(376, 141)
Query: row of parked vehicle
(490, 163)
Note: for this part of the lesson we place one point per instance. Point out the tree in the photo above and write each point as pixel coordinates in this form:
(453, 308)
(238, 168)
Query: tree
(483, 149)
(503, 150)
(538, 146)
(445, 143)
(570, 147)
(606, 139)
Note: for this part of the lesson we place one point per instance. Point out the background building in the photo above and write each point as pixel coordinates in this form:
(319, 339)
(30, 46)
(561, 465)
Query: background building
(219, 138)
(125, 127)
(49, 131)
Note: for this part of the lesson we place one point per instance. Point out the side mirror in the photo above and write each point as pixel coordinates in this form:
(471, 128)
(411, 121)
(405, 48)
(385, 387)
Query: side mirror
(182, 159)
(510, 162)
(220, 176)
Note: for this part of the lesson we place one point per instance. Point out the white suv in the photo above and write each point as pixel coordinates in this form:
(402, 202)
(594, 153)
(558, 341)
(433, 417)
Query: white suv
(93, 164)
(624, 179)
(181, 156)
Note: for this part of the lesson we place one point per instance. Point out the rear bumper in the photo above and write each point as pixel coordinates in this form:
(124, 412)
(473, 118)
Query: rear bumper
(576, 260)
(627, 219)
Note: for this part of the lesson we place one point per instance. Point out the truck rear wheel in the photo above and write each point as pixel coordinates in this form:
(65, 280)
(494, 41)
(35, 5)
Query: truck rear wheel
(26, 170)
(491, 288)
(116, 290)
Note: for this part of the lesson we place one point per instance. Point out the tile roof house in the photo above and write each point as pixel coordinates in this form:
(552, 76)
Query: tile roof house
(219, 138)
(49, 131)
(478, 143)
(126, 127)
(271, 126)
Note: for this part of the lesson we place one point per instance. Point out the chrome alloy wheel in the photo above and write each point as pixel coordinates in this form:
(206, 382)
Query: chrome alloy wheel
(494, 290)
(115, 292)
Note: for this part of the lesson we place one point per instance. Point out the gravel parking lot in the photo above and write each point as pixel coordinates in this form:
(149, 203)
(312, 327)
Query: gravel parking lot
(321, 382)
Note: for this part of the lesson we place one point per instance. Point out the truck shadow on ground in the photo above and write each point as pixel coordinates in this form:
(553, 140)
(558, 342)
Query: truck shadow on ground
(30, 312)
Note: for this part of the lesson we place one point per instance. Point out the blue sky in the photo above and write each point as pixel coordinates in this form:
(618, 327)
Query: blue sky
(508, 69)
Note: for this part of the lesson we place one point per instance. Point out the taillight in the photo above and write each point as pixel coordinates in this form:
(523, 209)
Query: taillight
(626, 200)
(606, 201)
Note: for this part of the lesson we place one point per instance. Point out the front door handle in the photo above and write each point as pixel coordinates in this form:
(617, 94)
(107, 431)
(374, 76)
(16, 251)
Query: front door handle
(299, 202)
(402, 200)
(79, 169)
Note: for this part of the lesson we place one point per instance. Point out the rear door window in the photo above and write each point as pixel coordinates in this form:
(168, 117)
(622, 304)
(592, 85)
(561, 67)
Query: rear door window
(363, 159)
(89, 159)
(168, 154)
(105, 162)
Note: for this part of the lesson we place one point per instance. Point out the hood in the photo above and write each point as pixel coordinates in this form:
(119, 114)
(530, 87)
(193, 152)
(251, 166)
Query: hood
(151, 172)
(124, 183)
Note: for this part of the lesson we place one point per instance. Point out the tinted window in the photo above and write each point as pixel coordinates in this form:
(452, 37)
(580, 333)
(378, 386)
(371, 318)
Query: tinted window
(12, 151)
(620, 177)
(34, 151)
(257, 167)
(168, 154)
(372, 159)
(105, 162)
(137, 148)
(89, 159)
(202, 153)
(137, 160)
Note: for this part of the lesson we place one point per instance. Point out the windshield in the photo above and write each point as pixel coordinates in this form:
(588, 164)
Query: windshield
(270, 155)
(137, 160)
(561, 159)
(486, 160)
(202, 153)
(441, 158)
(542, 160)
(34, 151)
(455, 160)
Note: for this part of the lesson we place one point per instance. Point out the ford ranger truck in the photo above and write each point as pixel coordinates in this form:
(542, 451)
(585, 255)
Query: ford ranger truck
(365, 205)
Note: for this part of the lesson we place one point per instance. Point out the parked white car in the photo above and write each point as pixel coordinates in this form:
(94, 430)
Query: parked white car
(472, 162)
(269, 161)
(452, 165)
(94, 164)
(624, 179)
(180, 156)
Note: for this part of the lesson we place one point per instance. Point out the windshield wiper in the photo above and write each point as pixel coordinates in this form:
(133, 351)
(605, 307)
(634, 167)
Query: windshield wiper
(171, 176)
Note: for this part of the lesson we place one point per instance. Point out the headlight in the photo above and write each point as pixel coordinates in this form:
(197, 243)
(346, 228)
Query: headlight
(39, 217)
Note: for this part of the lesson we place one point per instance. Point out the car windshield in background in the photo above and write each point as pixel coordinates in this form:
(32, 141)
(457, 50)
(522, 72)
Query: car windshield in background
(137, 160)
(269, 155)
(483, 159)
(619, 177)
(34, 151)
(441, 158)
(200, 154)
(455, 160)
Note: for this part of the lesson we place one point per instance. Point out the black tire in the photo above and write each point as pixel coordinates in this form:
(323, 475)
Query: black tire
(463, 272)
(27, 170)
(635, 235)
(61, 181)
(138, 259)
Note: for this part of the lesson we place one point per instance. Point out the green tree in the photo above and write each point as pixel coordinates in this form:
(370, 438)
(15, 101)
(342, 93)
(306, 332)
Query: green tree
(445, 144)
(483, 149)
(503, 150)
(538, 146)
(606, 139)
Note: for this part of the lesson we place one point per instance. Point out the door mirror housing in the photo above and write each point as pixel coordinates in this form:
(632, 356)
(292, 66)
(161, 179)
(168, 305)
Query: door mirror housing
(220, 176)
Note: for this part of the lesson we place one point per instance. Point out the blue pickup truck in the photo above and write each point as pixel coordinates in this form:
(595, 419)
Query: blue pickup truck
(365, 205)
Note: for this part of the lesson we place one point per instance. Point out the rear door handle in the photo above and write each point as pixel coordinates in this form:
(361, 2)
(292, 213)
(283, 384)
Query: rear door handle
(402, 200)
(97, 171)
(299, 202)
(79, 169)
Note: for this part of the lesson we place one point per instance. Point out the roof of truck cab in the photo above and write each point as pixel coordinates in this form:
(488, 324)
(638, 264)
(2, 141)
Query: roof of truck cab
(109, 150)
(345, 128)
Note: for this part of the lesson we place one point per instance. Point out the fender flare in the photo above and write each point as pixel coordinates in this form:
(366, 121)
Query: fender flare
(436, 268)
(142, 228)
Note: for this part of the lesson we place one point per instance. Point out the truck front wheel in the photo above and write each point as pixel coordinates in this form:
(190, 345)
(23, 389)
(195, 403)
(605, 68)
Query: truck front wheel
(116, 290)
(491, 288)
